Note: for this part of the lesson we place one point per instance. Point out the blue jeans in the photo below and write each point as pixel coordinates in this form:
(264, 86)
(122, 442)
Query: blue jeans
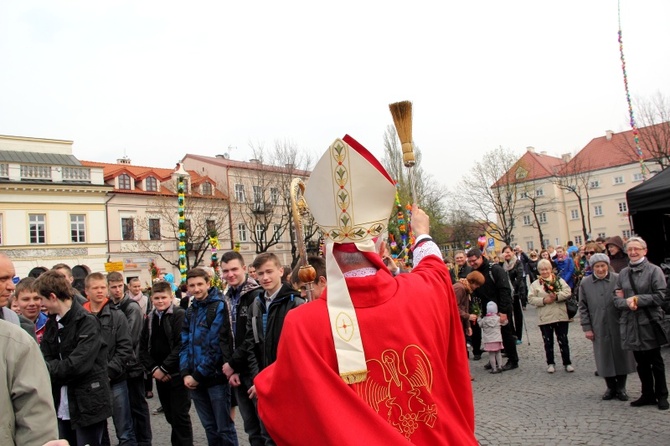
(121, 415)
(213, 407)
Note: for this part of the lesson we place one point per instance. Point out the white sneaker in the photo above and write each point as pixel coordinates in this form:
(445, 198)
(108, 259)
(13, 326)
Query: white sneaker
(551, 368)
(569, 368)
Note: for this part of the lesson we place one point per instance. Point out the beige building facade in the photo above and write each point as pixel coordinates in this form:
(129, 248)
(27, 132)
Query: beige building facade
(143, 218)
(52, 208)
(547, 189)
(259, 199)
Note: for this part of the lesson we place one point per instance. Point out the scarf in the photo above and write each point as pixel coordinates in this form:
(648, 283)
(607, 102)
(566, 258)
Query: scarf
(509, 265)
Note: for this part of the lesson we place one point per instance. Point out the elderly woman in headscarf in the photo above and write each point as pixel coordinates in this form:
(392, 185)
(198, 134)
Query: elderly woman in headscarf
(600, 322)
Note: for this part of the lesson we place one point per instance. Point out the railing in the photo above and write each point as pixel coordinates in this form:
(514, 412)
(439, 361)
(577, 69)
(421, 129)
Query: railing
(42, 173)
(77, 174)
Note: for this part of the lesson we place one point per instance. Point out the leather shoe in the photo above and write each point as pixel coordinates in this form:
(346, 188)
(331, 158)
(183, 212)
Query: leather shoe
(488, 366)
(609, 394)
(622, 395)
(510, 366)
(663, 404)
(644, 401)
(476, 357)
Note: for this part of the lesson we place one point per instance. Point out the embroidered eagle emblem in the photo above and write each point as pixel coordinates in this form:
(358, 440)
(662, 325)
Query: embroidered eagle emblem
(399, 388)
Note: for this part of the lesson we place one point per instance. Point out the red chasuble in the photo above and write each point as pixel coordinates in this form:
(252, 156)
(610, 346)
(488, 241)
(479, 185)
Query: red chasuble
(418, 387)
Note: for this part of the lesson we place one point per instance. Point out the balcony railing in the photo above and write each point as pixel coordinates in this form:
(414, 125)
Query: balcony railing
(77, 174)
(39, 173)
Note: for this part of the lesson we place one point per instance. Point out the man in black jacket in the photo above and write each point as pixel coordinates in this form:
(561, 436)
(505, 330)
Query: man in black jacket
(76, 357)
(497, 289)
(159, 354)
(265, 318)
(119, 353)
(138, 404)
(242, 291)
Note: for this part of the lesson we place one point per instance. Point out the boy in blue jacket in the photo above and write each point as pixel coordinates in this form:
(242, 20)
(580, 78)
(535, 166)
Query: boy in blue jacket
(201, 358)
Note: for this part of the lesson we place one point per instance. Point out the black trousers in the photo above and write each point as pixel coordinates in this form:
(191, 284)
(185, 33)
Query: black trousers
(651, 370)
(561, 329)
(139, 410)
(476, 340)
(88, 435)
(616, 383)
(509, 340)
(176, 404)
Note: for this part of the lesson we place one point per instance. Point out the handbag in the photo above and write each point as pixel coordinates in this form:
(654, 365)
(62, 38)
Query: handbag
(660, 326)
(571, 306)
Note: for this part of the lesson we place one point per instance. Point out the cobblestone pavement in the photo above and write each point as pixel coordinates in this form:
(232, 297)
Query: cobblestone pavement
(161, 430)
(529, 406)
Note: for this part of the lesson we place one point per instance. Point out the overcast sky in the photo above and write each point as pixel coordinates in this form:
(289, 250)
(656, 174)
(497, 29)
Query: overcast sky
(157, 80)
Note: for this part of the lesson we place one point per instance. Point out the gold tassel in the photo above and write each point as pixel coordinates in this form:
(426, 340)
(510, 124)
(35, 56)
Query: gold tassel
(357, 376)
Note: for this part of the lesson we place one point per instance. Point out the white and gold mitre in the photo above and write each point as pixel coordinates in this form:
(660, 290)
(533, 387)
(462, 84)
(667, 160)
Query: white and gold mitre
(350, 195)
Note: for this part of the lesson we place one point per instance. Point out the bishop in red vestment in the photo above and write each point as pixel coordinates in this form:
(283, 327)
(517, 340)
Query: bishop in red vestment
(417, 386)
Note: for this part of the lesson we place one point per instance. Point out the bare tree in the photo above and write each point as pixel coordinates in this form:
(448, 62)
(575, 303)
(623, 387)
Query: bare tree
(491, 191)
(429, 193)
(575, 178)
(292, 163)
(532, 198)
(266, 212)
(204, 217)
(653, 122)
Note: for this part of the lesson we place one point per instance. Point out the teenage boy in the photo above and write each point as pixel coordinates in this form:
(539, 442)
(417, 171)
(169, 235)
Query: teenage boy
(266, 318)
(159, 354)
(30, 305)
(76, 357)
(319, 284)
(207, 320)
(242, 291)
(115, 333)
(138, 403)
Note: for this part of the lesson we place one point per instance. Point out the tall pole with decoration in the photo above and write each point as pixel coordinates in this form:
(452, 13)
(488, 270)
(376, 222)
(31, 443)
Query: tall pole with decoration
(182, 223)
(636, 133)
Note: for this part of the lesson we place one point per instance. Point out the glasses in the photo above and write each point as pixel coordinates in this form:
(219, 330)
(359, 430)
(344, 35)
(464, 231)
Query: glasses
(634, 248)
(589, 253)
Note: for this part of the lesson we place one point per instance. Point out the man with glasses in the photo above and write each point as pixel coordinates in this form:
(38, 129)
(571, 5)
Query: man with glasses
(496, 288)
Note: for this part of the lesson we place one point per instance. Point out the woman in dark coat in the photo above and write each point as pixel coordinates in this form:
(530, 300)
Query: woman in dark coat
(600, 322)
(514, 270)
(618, 258)
(640, 292)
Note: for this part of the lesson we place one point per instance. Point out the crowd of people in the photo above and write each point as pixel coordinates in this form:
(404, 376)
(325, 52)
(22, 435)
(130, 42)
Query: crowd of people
(351, 351)
(87, 348)
(622, 299)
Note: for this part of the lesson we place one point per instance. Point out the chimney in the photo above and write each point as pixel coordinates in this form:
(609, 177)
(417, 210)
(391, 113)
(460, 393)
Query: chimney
(530, 149)
(124, 160)
(608, 134)
(544, 152)
(566, 157)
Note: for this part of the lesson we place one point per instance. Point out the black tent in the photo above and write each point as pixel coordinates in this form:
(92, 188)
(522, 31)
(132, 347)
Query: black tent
(649, 210)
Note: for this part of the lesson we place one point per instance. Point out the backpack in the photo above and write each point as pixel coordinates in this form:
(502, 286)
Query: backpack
(212, 308)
